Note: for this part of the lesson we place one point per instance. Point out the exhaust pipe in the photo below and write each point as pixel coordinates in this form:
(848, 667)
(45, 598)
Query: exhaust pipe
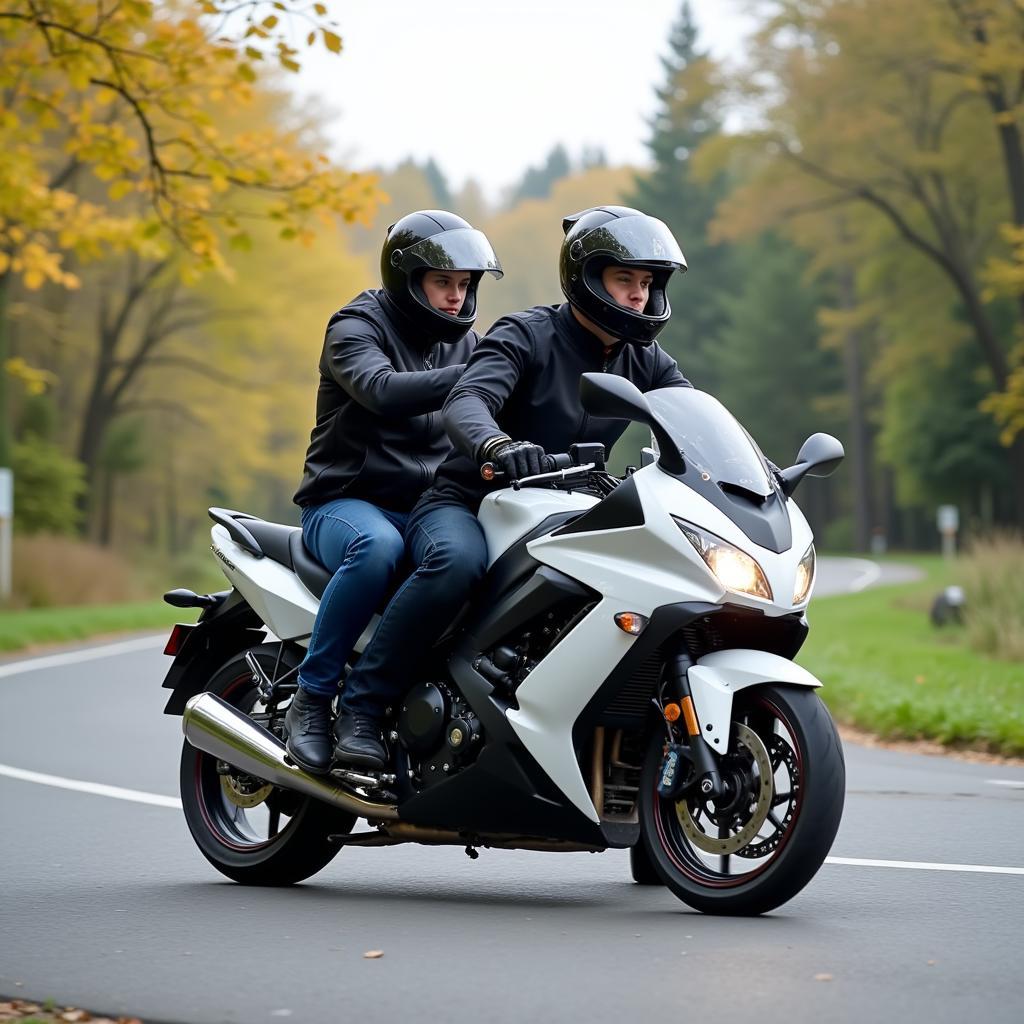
(212, 725)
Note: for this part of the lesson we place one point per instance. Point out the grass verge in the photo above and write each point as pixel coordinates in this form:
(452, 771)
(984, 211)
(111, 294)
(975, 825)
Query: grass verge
(888, 671)
(32, 626)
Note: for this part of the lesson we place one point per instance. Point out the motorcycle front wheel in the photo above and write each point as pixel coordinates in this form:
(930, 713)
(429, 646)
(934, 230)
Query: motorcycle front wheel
(757, 847)
(249, 830)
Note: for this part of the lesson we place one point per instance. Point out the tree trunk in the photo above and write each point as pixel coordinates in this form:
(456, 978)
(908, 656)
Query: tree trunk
(5, 428)
(860, 432)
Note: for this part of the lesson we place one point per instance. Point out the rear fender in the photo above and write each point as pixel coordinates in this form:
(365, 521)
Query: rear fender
(221, 632)
(717, 676)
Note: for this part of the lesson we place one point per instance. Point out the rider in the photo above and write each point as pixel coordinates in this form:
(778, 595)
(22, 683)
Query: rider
(518, 398)
(389, 360)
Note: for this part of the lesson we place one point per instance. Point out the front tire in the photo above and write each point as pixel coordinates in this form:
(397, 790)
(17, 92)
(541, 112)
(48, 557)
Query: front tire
(254, 833)
(758, 850)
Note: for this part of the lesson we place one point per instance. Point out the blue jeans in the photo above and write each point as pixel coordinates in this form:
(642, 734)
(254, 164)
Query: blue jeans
(364, 546)
(447, 547)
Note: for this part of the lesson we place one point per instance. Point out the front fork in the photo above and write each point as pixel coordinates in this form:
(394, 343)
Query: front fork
(673, 779)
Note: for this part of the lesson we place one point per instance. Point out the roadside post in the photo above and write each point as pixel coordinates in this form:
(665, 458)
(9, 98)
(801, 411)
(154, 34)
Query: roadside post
(6, 518)
(949, 522)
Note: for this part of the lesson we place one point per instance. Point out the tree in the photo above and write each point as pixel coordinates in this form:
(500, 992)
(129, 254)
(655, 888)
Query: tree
(686, 118)
(123, 94)
(537, 182)
(891, 112)
(776, 378)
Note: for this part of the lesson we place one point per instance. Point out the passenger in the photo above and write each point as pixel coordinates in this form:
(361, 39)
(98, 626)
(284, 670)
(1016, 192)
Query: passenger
(389, 360)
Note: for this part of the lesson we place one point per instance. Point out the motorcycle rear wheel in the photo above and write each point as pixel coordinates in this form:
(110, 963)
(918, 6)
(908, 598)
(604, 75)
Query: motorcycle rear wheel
(787, 778)
(253, 833)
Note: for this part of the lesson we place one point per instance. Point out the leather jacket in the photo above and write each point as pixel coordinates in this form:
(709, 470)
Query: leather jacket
(378, 433)
(523, 381)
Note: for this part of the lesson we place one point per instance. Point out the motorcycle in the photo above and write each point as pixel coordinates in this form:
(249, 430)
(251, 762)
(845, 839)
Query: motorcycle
(623, 678)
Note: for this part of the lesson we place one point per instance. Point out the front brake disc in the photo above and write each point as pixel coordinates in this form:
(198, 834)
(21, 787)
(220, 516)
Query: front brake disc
(763, 788)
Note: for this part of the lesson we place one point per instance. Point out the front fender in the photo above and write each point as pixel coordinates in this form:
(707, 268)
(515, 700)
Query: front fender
(717, 676)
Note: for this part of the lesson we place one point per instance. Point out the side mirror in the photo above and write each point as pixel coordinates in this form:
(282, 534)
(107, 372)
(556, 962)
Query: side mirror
(819, 456)
(609, 396)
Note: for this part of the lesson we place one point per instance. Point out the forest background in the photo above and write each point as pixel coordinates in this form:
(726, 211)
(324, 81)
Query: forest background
(172, 244)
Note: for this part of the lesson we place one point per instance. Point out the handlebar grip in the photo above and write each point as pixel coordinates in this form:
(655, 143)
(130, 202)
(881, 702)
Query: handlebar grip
(555, 462)
(490, 472)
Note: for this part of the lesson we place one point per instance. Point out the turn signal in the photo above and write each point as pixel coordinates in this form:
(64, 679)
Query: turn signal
(672, 712)
(631, 622)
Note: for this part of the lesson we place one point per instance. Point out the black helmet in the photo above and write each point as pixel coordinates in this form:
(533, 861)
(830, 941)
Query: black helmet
(605, 235)
(434, 240)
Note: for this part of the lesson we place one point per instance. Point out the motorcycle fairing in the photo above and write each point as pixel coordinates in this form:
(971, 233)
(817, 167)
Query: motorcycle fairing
(636, 568)
(717, 676)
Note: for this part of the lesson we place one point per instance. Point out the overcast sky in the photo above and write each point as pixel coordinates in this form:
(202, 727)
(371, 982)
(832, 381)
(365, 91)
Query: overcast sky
(488, 87)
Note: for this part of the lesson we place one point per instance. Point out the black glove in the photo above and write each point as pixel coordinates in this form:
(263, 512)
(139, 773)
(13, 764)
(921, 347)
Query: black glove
(519, 458)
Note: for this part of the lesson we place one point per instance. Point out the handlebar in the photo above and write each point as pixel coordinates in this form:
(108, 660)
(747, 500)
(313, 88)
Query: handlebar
(489, 471)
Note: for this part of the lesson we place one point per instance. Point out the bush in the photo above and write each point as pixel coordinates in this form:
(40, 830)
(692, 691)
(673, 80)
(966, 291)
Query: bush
(992, 572)
(47, 485)
(51, 571)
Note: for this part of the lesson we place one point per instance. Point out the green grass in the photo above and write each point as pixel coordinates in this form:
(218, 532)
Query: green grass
(32, 626)
(887, 670)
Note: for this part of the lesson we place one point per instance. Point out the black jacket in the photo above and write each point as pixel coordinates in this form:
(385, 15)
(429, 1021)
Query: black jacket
(378, 433)
(523, 380)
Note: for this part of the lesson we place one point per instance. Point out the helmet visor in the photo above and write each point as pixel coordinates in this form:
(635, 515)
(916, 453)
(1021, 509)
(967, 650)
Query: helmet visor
(632, 240)
(457, 249)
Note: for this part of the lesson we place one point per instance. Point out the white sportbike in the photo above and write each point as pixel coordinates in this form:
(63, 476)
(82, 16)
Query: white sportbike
(623, 678)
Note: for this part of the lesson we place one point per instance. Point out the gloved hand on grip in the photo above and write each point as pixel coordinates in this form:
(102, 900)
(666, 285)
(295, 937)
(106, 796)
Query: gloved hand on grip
(518, 459)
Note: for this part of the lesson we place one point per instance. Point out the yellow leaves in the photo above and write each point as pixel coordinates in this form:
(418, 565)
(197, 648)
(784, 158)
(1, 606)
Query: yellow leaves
(35, 381)
(1007, 407)
(184, 88)
(120, 189)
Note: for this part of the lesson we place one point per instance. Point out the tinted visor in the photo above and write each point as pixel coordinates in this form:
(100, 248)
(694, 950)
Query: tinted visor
(632, 240)
(457, 249)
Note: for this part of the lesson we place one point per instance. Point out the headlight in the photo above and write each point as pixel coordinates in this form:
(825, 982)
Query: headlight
(804, 576)
(733, 568)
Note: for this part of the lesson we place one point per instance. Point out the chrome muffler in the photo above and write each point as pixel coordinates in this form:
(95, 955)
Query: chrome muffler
(212, 725)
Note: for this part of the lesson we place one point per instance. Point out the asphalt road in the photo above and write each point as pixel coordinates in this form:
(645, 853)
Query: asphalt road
(107, 904)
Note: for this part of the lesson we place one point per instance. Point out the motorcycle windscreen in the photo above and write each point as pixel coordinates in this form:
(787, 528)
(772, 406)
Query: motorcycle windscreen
(710, 438)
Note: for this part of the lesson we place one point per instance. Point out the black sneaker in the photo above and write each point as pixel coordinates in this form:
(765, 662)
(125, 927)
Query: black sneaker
(308, 724)
(358, 741)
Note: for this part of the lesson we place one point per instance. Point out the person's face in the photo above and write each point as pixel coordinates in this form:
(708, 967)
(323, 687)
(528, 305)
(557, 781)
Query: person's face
(446, 289)
(628, 286)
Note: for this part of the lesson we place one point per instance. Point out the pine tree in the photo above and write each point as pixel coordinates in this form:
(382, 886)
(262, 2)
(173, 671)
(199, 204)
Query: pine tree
(686, 118)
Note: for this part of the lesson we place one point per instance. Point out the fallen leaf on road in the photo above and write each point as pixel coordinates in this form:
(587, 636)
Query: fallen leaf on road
(373, 954)
(823, 977)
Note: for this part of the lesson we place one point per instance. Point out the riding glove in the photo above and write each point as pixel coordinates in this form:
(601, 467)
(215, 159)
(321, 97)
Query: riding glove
(518, 459)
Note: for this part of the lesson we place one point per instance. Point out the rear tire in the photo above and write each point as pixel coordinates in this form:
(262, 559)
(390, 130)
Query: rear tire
(798, 742)
(280, 839)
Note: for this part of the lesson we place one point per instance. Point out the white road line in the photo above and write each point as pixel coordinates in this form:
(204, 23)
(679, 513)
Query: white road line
(914, 865)
(145, 643)
(1009, 783)
(869, 573)
(95, 788)
(155, 799)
